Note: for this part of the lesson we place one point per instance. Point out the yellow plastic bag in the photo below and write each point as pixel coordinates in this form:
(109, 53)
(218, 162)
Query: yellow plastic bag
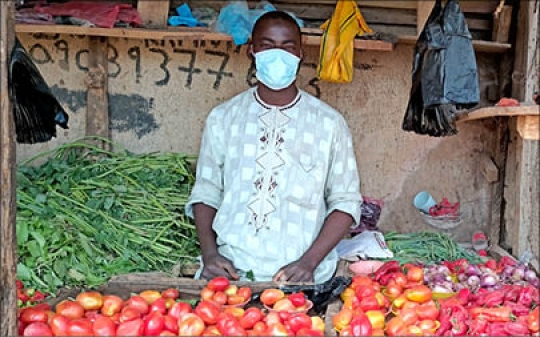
(337, 43)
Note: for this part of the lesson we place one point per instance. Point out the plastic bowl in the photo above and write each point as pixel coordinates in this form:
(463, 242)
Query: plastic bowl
(308, 307)
(442, 222)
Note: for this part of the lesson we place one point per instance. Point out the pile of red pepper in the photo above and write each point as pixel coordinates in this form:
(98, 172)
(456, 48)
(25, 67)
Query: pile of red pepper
(444, 208)
(28, 296)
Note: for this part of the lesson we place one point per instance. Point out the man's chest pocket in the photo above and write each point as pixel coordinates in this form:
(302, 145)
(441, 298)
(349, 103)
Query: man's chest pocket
(305, 181)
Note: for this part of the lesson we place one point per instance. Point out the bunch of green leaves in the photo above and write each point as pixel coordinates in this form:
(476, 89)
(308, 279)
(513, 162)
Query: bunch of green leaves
(87, 214)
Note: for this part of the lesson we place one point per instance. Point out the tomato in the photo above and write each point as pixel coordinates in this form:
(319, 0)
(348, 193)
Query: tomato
(376, 318)
(80, 327)
(363, 291)
(92, 315)
(90, 300)
(235, 300)
(342, 318)
(31, 315)
(410, 305)
(208, 311)
(413, 330)
(427, 311)
(111, 305)
(207, 294)
(178, 309)
(377, 332)
(170, 324)
(400, 279)
(299, 321)
(131, 328)
(277, 329)
(219, 283)
(219, 297)
(37, 329)
(420, 294)
(190, 325)
(271, 296)
(317, 323)
(297, 299)
(272, 318)
(346, 332)
(129, 314)
(211, 330)
(395, 327)
(361, 326)
(159, 305)
(399, 301)
(245, 292)
(59, 325)
(70, 309)
(150, 296)
(170, 293)
(232, 289)
(393, 290)
(168, 333)
(283, 304)
(138, 303)
(154, 323)
(414, 273)
(236, 312)
(229, 326)
(104, 326)
(427, 325)
(42, 306)
(409, 316)
(370, 303)
(169, 302)
(310, 332)
(360, 280)
(260, 327)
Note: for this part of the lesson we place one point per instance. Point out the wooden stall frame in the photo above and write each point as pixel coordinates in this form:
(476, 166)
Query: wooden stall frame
(8, 247)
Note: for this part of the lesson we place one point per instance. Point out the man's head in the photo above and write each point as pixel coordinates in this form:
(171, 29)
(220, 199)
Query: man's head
(276, 29)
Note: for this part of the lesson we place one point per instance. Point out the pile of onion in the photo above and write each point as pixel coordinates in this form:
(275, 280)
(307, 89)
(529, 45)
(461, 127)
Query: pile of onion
(438, 278)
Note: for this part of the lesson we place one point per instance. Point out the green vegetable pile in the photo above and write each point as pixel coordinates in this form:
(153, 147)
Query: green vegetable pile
(426, 247)
(87, 214)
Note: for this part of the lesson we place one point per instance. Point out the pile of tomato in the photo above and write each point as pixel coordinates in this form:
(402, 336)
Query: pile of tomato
(220, 311)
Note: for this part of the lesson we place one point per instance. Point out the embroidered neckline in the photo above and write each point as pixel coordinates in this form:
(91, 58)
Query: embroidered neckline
(259, 100)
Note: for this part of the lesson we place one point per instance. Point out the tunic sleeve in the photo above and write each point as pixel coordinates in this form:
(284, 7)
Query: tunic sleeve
(208, 187)
(342, 191)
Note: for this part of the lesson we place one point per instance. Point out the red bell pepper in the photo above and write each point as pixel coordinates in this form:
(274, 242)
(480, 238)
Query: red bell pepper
(526, 295)
(388, 267)
(497, 329)
(361, 326)
(516, 329)
(533, 320)
(463, 296)
(494, 298)
(518, 309)
(501, 314)
(478, 327)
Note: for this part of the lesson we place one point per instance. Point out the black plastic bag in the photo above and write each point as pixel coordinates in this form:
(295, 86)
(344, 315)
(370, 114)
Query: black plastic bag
(36, 110)
(445, 77)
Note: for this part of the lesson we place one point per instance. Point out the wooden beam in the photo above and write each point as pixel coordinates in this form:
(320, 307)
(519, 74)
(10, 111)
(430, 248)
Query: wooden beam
(489, 170)
(528, 127)
(8, 204)
(423, 9)
(154, 13)
(501, 24)
(500, 111)
(97, 115)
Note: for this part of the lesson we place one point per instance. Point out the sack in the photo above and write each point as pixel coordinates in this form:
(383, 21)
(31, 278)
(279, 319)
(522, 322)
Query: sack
(444, 73)
(337, 46)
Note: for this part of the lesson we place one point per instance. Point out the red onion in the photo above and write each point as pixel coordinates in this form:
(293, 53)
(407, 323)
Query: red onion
(529, 275)
(535, 282)
(472, 270)
(487, 281)
(473, 281)
(518, 273)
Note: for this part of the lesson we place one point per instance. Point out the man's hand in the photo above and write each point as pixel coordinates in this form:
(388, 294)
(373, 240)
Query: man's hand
(297, 271)
(217, 265)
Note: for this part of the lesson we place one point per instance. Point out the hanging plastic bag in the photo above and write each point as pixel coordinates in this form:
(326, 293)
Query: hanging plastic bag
(445, 76)
(337, 46)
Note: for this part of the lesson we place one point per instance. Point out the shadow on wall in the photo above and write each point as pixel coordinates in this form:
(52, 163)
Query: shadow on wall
(126, 112)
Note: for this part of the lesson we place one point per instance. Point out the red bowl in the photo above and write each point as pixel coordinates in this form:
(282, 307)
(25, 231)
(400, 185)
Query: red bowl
(308, 307)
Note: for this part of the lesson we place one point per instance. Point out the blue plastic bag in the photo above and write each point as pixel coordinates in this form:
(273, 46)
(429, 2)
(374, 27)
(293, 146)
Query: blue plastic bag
(184, 18)
(237, 20)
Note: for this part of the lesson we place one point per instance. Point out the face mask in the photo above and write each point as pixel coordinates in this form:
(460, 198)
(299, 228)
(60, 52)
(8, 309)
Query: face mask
(276, 68)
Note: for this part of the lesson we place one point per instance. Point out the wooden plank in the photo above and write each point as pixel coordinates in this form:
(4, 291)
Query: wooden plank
(154, 13)
(97, 113)
(479, 45)
(528, 127)
(501, 24)
(8, 206)
(498, 111)
(487, 167)
(423, 9)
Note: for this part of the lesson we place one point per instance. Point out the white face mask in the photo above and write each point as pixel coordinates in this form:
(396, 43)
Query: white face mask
(276, 68)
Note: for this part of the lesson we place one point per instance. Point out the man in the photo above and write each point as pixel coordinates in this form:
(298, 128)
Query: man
(277, 185)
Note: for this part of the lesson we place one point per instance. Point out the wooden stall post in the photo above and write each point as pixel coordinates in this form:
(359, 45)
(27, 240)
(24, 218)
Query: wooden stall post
(522, 179)
(154, 13)
(423, 9)
(8, 265)
(97, 113)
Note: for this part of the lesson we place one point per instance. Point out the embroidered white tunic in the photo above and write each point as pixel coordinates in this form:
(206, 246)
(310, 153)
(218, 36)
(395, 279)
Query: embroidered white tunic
(274, 174)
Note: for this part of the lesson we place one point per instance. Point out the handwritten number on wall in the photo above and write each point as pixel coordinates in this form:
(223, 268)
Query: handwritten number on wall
(78, 59)
(41, 57)
(219, 73)
(134, 53)
(163, 66)
(113, 59)
(62, 46)
(190, 69)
